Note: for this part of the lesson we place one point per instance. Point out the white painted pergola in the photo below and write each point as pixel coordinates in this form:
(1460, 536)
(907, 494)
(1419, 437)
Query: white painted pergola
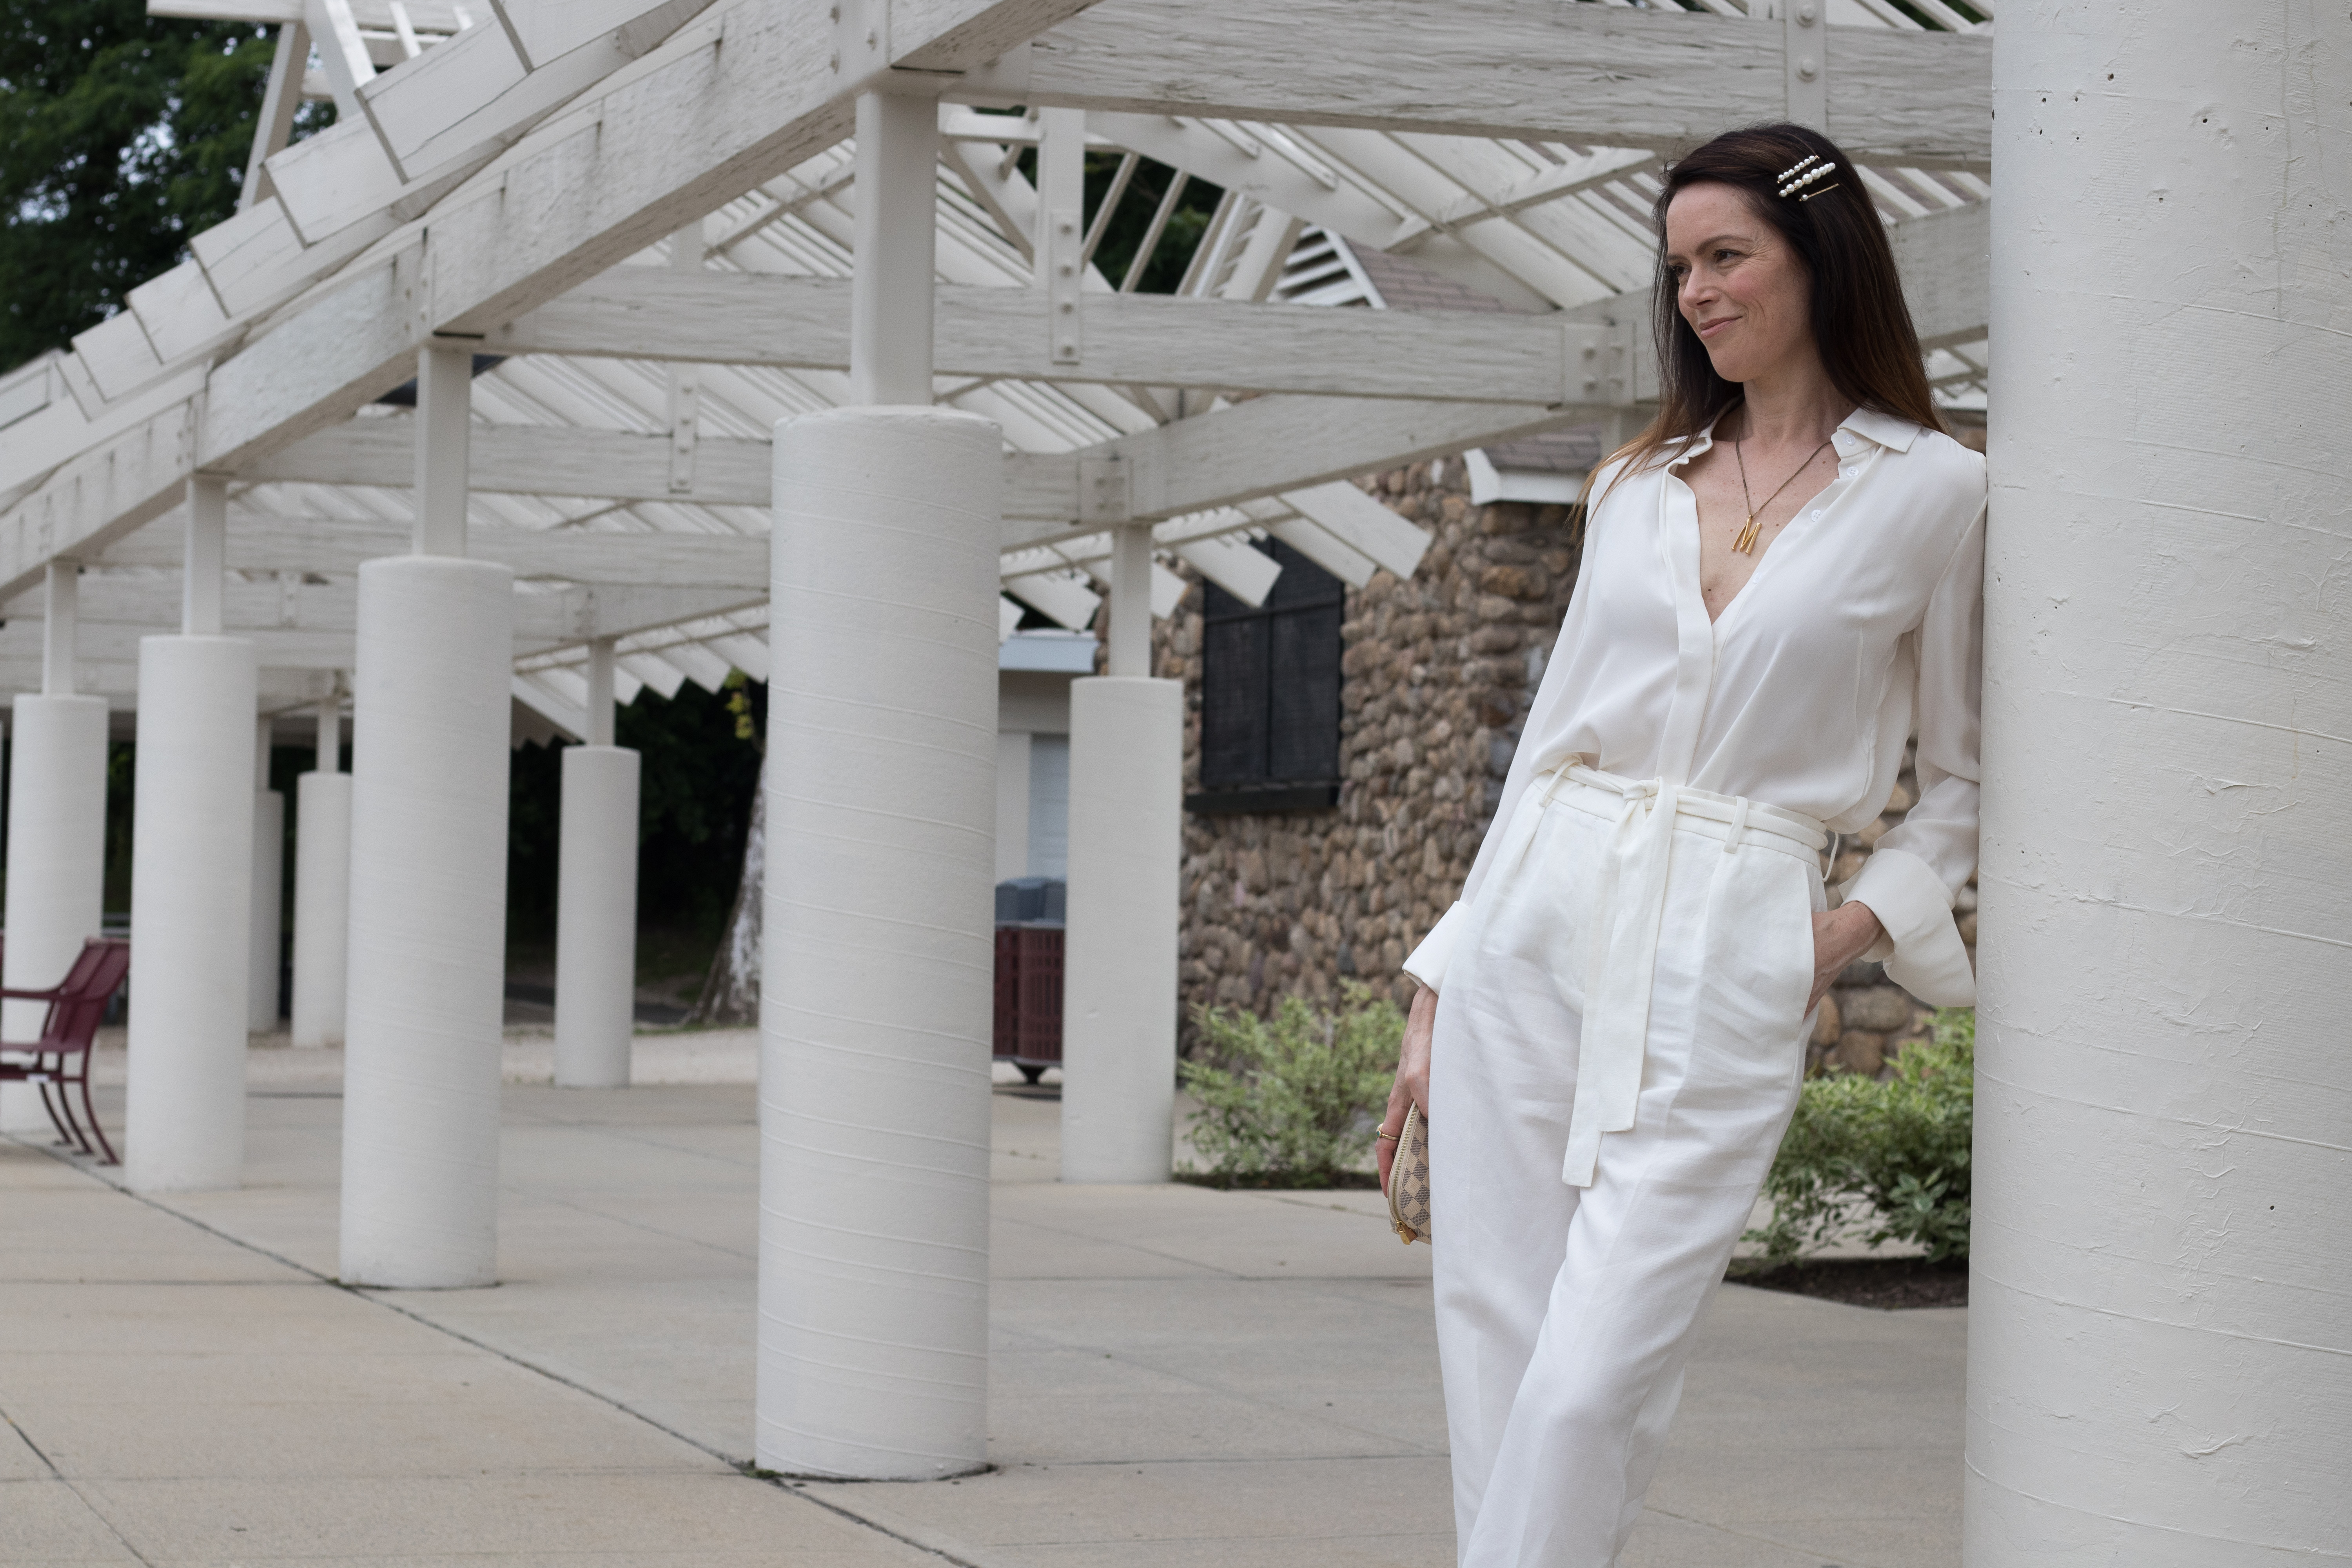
(798, 374)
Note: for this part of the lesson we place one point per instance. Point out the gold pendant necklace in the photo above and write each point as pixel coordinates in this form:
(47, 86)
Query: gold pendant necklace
(1745, 542)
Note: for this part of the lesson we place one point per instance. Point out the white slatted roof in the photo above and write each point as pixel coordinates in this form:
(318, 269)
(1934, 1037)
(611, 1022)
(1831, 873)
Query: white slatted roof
(1314, 214)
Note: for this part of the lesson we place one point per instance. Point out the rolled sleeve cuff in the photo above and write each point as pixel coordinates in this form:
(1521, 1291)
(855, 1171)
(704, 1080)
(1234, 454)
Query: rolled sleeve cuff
(1427, 963)
(1922, 948)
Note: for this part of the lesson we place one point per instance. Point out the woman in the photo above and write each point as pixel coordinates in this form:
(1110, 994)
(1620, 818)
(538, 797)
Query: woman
(1782, 576)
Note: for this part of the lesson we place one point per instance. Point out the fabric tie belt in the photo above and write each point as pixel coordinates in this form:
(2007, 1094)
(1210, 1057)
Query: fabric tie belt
(1627, 914)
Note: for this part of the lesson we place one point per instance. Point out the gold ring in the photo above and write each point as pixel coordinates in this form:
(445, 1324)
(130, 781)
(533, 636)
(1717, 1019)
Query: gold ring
(1391, 1137)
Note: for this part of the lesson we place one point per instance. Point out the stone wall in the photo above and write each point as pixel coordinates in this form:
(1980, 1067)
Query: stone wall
(1439, 672)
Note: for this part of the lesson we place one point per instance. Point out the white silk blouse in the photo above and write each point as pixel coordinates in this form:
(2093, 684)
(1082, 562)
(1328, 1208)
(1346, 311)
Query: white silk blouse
(1863, 618)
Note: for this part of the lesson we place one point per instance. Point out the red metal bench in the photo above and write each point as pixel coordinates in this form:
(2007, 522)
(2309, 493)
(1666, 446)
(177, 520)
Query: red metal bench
(60, 1057)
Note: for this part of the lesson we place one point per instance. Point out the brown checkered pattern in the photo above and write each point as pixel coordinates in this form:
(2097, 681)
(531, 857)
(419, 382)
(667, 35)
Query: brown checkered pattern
(1408, 1180)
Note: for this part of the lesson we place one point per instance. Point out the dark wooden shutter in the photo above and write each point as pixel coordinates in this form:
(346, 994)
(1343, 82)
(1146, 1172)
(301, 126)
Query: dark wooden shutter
(1270, 692)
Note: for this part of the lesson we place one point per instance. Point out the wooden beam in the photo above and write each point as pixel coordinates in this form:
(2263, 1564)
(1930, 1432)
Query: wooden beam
(148, 603)
(1946, 263)
(90, 502)
(1275, 444)
(1592, 74)
(329, 545)
(723, 318)
(113, 643)
(605, 465)
(139, 473)
(737, 318)
(1255, 448)
(117, 681)
(687, 129)
(527, 459)
(426, 15)
(696, 124)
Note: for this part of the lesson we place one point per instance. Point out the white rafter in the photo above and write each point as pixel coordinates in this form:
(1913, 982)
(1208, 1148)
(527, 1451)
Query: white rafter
(260, 353)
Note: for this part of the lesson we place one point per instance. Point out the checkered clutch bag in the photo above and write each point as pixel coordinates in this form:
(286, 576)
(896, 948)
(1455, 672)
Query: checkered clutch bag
(1408, 1180)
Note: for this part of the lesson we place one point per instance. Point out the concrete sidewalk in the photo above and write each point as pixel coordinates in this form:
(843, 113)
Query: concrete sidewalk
(1179, 1376)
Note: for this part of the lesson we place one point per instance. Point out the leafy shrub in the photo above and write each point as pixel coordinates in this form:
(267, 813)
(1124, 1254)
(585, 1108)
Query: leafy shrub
(1292, 1102)
(1898, 1148)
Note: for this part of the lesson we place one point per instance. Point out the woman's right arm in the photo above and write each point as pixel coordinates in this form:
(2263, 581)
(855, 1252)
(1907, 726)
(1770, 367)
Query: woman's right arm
(1412, 1076)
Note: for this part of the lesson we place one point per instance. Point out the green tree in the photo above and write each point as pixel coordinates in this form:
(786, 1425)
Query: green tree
(699, 762)
(1196, 203)
(120, 136)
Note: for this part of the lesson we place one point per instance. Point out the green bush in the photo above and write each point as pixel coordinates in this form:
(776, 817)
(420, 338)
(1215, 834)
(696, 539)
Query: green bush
(1292, 1102)
(1900, 1148)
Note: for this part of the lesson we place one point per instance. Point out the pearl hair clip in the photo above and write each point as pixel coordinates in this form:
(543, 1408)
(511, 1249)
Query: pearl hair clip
(1797, 176)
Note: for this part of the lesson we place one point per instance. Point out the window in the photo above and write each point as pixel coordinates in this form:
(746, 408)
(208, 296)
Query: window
(1270, 692)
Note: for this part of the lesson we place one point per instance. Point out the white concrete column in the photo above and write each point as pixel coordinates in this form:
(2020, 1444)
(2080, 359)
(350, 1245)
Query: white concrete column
(268, 939)
(874, 1080)
(2159, 1354)
(1119, 956)
(596, 898)
(56, 835)
(428, 936)
(190, 883)
(323, 886)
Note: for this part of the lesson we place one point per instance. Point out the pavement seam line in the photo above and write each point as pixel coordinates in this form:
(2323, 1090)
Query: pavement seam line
(537, 1195)
(798, 1489)
(1132, 1247)
(67, 1481)
(742, 1468)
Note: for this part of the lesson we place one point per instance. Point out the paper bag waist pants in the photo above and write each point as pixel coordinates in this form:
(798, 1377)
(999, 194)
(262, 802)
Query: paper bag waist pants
(1618, 1050)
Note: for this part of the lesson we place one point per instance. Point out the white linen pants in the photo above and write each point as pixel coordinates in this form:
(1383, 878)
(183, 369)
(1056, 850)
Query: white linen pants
(1565, 1313)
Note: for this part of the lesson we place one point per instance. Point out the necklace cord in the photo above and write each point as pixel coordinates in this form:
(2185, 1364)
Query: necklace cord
(1746, 543)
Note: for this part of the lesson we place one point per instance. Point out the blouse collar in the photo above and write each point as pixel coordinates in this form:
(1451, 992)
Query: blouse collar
(1886, 430)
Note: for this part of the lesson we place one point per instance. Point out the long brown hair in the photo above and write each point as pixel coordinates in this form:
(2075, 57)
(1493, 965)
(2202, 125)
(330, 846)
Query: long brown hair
(1861, 328)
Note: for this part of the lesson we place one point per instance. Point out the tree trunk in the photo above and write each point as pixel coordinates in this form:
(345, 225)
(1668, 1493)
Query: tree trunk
(730, 993)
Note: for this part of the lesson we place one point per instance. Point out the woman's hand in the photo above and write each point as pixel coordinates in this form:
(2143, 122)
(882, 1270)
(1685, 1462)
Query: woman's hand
(1840, 936)
(1411, 1077)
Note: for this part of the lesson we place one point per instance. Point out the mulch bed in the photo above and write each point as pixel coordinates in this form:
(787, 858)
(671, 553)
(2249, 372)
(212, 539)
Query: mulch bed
(1350, 1180)
(1889, 1284)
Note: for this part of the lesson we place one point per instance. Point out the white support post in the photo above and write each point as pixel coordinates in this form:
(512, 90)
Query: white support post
(1130, 605)
(445, 412)
(896, 238)
(2159, 1357)
(61, 612)
(204, 557)
(596, 898)
(1060, 242)
(685, 378)
(280, 99)
(1118, 962)
(268, 910)
(191, 883)
(342, 53)
(874, 1077)
(56, 835)
(604, 653)
(322, 885)
(1806, 61)
(425, 970)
